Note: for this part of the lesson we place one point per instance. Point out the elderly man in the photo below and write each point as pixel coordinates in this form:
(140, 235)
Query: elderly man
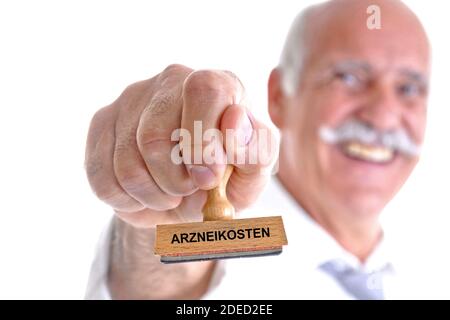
(350, 103)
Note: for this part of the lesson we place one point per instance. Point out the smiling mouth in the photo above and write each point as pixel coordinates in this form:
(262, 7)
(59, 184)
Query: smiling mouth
(367, 152)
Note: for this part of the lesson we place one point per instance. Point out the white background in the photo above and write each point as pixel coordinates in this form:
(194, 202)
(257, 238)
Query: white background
(62, 60)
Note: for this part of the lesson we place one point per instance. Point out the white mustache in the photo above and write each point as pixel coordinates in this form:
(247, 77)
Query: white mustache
(356, 130)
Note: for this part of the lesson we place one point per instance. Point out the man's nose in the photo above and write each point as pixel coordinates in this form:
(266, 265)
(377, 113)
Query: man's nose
(381, 109)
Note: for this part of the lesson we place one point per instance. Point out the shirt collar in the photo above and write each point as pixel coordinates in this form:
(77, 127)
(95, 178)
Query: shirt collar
(315, 245)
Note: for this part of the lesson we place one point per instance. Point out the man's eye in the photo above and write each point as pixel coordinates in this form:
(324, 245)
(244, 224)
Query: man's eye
(409, 90)
(348, 79)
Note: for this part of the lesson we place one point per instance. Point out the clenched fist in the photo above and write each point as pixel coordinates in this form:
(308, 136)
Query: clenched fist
(130, 148)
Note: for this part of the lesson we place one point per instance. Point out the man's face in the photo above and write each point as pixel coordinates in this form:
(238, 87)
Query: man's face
(377, 77)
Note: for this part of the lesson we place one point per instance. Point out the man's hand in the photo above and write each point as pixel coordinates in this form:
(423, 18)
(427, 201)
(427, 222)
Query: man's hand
(129, 164)
(128, 156)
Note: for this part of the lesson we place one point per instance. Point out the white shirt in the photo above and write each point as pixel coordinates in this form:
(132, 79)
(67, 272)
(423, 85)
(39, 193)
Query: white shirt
(295, 273)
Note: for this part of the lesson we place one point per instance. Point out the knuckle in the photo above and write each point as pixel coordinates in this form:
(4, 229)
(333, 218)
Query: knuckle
(207, 83)
(128, 92)
(181, 188)
(175, 68)
(106, 195)
(132, 182)
(100, 117)
(129, 178)
(93, 165)
(148, 142)
(104, 192)
(125, 139)
(135, 88)
(98, 180)
(144, 138)
(161, 103)
(173, 76)
(108, 191)
(170, 204)
(233, 77)
(132, 96)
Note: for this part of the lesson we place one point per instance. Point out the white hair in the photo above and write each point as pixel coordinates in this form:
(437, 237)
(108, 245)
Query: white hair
(292, 55)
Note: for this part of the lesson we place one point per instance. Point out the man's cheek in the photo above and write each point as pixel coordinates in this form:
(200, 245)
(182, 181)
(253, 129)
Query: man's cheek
(415, 124)
(333, 112)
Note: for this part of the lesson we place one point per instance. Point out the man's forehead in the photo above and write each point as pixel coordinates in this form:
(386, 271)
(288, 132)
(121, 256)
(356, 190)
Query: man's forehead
(336, 32)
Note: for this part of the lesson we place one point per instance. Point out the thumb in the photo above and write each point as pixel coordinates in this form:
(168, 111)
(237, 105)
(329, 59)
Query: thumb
(252, 148)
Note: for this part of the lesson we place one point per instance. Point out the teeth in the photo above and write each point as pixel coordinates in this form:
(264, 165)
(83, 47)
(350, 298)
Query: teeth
(365, 152)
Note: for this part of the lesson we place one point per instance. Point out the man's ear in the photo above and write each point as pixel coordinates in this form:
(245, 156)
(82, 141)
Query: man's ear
(276, 98)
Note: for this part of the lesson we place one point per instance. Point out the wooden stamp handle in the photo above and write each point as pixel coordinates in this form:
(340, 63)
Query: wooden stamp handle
(217, 206)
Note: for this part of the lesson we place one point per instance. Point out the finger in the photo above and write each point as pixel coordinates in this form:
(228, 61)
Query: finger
(253, 148)
(188, 211)
(148, 218)
(129, 166)
(206, 94)
(99, 162)
(159, 120)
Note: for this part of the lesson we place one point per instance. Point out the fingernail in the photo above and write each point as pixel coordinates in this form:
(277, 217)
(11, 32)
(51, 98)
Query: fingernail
(245, 130)
(202, 176)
